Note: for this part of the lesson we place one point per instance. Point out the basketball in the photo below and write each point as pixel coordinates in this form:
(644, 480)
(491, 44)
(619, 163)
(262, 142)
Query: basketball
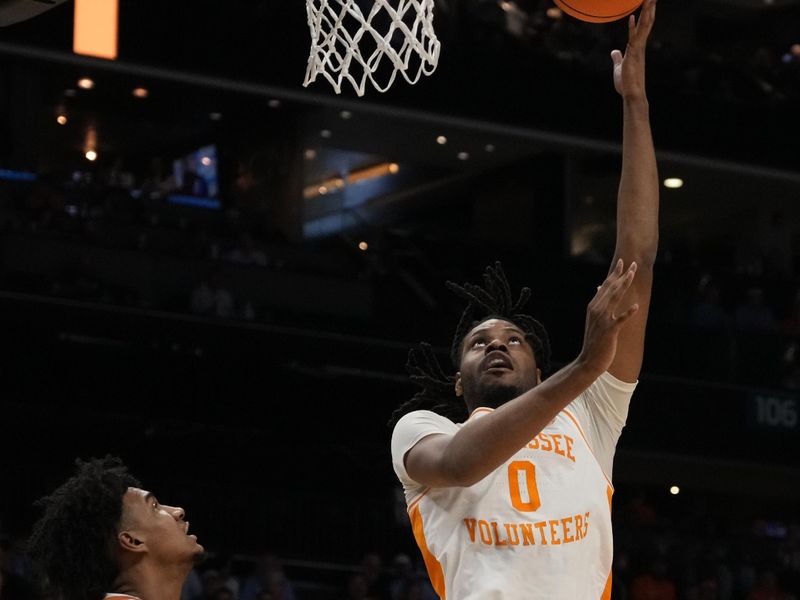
(598, 11)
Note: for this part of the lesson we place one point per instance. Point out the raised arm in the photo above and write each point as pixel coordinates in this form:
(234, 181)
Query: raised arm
(637, 203)
(483, 444)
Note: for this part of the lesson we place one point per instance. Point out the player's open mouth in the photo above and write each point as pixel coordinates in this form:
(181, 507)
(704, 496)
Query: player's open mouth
(497, 360)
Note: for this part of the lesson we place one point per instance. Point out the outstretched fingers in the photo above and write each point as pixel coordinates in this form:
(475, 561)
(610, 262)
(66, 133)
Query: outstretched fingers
(613, 289)
(638, 32)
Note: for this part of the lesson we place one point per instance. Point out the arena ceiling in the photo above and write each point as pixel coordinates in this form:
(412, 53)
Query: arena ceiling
(724, 76)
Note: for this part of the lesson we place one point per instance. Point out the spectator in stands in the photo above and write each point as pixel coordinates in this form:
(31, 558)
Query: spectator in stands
(268, 576)
(706, 589)
(377, 579)
(246, 252)
(212, 584)
(193, 586)
(227, 578)
(621, 578)
(358, 588)
(654, 584)
(707, 311)
(210, 297)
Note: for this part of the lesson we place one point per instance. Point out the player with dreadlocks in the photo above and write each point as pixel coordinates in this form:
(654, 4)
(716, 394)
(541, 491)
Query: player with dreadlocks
(102, 536)
(507, 471)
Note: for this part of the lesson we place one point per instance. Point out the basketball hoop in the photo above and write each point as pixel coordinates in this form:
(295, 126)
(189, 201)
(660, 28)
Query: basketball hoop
(375, 44)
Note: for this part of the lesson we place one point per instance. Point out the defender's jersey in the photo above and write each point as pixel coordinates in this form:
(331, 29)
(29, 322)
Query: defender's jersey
(536, 528)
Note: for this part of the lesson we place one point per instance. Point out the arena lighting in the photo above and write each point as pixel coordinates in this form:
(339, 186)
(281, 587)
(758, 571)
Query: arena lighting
(463, 155)
(61, 120)
(90, 143)
(334, 184)
(322, 188)
(363, 246)
(674, 490)
(441, 140)
(673, 183)
(489, 147)
(345, 114)
(85, 83)
(140, 92)
(96, 28)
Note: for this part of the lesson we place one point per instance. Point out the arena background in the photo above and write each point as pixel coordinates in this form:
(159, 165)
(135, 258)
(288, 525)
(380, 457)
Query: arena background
(241, 345)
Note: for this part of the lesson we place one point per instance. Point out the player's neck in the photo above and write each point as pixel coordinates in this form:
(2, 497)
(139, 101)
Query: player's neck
(152, 582)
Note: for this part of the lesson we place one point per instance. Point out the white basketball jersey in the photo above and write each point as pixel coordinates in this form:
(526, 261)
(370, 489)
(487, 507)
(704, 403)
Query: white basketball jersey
(536, 528)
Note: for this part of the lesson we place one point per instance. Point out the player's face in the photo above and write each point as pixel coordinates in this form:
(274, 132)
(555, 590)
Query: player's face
(497, 364)
(159, 529)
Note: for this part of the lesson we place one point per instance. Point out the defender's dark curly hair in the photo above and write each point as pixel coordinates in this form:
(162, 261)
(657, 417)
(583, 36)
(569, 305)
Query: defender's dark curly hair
(71, 544)
(493, 300)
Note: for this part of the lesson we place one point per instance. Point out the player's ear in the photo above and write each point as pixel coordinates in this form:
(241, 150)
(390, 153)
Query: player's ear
(459, 389)
(538, 376)
(129, 542)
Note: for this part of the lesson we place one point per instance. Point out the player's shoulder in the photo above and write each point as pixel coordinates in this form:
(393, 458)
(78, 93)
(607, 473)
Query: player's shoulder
(424, 418)
(607, 386)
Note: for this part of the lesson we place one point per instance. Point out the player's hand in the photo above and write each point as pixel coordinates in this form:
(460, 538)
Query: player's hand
(605, 318)
(629, 68)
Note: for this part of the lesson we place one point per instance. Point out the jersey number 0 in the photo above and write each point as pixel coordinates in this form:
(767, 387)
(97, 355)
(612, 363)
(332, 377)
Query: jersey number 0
(523, 473)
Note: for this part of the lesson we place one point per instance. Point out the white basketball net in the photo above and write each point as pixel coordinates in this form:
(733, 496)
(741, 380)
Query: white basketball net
(394, 36)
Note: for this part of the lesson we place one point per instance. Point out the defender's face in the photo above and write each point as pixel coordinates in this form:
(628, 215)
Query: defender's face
(161, 529)
(497, 364)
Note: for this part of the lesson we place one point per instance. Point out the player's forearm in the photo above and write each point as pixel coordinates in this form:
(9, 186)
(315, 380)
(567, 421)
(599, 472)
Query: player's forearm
(637, 204)
(484, 444)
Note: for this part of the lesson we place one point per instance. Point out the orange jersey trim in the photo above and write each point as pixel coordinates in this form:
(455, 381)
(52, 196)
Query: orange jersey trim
(607, 591)
(433, 566)
(413, 504)
(588, 445)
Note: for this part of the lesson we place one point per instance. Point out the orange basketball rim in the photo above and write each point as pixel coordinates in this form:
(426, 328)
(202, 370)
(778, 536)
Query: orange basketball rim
(598, 11)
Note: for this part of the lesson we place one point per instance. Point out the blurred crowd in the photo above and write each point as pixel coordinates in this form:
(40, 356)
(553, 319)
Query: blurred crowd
(752, 293)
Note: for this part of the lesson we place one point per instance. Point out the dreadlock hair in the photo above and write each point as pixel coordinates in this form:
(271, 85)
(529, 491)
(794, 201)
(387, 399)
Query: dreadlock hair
(493, 300)
(437, 391)
(71, 544)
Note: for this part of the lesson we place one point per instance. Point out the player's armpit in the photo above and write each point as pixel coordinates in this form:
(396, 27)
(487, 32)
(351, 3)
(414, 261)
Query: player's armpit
(425, 462)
